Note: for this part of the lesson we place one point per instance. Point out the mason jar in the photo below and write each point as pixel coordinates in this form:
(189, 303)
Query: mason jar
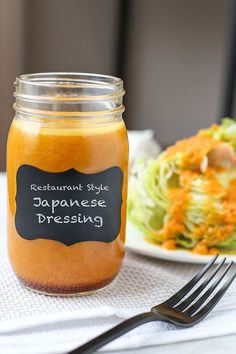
(67, 162)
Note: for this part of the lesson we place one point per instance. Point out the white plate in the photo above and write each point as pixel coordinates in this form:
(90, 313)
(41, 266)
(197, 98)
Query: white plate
(135, 242)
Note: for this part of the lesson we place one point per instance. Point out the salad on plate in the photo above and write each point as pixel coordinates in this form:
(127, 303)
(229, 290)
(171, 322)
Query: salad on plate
(186, 197)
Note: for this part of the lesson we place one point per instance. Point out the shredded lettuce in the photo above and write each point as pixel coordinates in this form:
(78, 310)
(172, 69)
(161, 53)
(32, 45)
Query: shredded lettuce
(149, 203)
(229, 244)
(226, 131)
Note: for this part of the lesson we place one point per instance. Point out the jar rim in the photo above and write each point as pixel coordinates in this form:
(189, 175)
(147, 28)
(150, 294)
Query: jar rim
(68, 84)
(36, 78)
(77, 93)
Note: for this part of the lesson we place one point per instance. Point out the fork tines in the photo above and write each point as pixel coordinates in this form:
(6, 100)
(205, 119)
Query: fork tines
(211, 277)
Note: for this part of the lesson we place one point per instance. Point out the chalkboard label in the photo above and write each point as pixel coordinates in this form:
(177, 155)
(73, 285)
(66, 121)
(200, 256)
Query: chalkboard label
(69, 206)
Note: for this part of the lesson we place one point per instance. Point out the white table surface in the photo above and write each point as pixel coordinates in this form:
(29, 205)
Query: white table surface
(218, 345)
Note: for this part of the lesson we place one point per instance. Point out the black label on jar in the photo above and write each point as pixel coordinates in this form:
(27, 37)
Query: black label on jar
(69, 206)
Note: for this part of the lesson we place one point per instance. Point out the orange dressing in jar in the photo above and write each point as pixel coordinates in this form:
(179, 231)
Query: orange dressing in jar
(67, 161)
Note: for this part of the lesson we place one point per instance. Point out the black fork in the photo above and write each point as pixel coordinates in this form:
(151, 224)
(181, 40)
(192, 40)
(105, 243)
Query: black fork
(185, 313)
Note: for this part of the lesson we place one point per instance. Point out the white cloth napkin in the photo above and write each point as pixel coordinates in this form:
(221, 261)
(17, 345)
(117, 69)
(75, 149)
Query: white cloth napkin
(31, 323)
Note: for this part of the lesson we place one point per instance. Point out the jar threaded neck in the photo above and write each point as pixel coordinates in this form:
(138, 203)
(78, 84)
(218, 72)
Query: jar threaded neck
(70, 94)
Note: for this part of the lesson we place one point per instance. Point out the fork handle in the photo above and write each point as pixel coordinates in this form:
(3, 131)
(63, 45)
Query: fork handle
(115, 332)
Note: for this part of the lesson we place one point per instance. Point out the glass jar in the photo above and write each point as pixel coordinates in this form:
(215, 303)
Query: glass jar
(67, 161)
